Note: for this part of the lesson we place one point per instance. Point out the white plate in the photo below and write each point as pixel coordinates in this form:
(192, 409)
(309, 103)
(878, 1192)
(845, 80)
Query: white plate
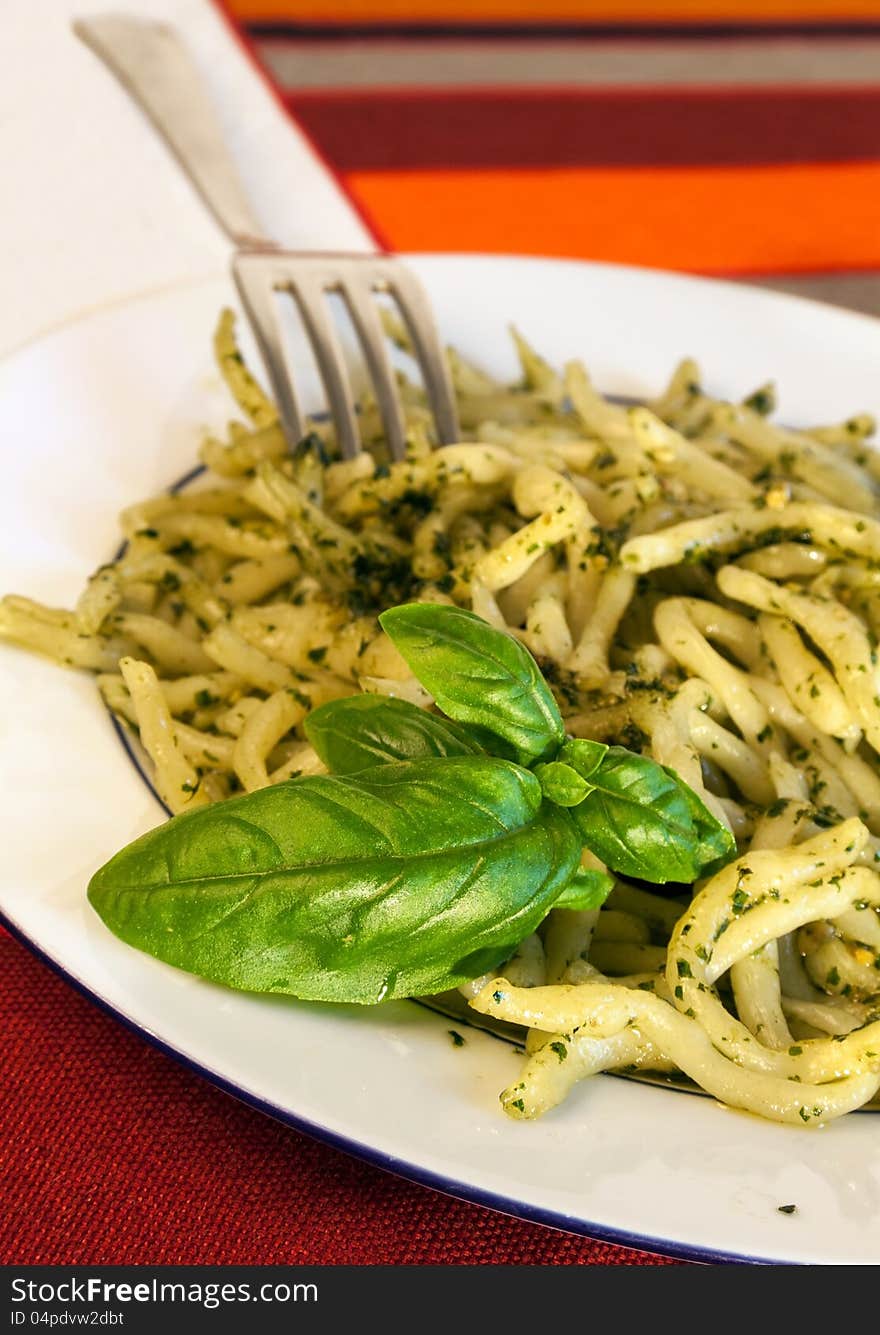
(109, 410)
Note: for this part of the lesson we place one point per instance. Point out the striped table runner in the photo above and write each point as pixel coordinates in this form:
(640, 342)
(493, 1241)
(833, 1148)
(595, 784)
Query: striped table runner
(740, 140)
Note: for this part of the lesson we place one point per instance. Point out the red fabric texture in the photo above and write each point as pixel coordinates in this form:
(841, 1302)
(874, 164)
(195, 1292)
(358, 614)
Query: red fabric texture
(401, 129)
(112, 1153)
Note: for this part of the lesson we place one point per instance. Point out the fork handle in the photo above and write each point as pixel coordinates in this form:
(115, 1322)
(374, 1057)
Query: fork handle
(155, 67)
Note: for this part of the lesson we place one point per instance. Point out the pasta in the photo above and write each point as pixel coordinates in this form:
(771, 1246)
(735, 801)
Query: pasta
(696, 582)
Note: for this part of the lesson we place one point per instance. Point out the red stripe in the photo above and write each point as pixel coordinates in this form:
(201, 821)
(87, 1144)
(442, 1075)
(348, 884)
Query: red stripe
(549, 127)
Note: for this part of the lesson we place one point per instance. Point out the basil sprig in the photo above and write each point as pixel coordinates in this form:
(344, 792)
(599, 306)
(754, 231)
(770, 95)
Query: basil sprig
(421, 860)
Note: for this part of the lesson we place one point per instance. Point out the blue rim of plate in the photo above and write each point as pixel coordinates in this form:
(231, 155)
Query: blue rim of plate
(409, 1171)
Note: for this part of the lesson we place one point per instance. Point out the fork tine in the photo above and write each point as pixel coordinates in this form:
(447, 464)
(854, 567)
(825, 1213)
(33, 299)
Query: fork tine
(413, 302)
(308, 279)
(359, 299)
(257, 292)
(310, 295)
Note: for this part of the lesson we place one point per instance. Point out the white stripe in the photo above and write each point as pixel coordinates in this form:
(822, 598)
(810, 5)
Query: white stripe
(440, 63)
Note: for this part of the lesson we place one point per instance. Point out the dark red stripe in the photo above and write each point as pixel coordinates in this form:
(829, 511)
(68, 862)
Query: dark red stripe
(397, 129)
(530, 30)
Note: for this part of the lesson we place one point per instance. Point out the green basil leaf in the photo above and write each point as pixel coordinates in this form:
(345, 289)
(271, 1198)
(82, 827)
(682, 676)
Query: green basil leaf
(489, 742)
(717, 845)
(587, 889)
(584, 755)
(360, 731)
(478, 675)
(561, 784)
(407, 879)
(639, 818)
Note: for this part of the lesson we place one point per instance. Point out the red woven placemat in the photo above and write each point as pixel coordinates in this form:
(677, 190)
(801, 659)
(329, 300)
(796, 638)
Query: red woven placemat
(111, 1152)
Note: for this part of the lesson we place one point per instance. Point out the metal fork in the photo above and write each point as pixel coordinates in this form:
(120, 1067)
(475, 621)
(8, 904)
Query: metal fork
(156, 69)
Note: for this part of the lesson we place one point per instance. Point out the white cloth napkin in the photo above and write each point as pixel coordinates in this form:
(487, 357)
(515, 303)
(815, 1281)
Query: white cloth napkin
(94, 208)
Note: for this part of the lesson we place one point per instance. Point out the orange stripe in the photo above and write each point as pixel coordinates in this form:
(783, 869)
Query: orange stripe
(570, 11)
(712, 219)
